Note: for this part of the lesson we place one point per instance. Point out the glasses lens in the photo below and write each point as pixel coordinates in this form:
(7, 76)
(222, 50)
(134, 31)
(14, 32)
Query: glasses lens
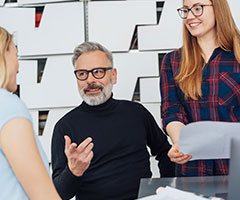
(98, 73)
(197, 10)
(81, 74)
(183, 12)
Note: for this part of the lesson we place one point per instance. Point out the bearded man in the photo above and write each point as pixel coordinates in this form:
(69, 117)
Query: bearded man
(99, 149)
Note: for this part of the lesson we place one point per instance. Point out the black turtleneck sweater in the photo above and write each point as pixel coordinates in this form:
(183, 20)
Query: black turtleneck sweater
(121, 130)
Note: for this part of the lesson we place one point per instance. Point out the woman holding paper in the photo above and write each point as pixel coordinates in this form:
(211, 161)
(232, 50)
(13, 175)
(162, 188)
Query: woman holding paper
(201, 80)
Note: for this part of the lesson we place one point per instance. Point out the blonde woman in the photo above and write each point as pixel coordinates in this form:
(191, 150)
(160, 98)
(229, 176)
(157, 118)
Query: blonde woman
(23, 165)
(201, 81)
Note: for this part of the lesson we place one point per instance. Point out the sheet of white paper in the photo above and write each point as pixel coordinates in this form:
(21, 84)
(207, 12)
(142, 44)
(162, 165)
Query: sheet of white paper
(208, 139)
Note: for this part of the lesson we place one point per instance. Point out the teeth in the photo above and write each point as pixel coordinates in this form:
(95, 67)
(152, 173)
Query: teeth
(93, 90)
(193, 24)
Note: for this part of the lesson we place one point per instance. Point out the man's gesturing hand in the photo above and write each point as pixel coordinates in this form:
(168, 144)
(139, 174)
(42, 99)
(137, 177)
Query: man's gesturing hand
(79, 157)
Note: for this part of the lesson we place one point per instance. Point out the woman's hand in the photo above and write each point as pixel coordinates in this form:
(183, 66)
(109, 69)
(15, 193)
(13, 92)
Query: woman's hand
(178, 157)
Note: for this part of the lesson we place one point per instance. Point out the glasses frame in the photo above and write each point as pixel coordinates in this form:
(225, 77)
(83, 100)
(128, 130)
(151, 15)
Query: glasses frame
(179, 10)
(92, 72)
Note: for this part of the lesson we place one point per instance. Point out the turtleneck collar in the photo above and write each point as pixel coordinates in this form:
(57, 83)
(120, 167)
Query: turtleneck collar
(108, 105)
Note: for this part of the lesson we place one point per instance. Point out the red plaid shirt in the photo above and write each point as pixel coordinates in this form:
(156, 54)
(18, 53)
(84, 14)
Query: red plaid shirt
(220, 101)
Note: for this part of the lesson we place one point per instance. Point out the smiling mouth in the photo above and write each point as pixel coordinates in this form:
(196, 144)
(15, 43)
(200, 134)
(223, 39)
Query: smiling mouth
(93, 90)
(192, 25)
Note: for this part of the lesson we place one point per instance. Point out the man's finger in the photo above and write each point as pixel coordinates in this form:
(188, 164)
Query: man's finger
(87, 150)
(90, 156)
(72, 147)
(84, 144)
(67, 141)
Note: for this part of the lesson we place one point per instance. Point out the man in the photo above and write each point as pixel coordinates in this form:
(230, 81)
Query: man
(120, 131)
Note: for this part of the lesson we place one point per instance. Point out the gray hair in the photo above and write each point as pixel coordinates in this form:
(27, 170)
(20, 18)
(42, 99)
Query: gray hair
(86, 47)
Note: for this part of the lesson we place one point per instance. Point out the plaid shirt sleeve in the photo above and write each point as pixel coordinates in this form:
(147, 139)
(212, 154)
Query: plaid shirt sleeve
(171, 107)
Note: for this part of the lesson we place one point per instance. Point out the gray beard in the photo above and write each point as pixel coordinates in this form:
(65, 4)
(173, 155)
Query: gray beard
(104, 95)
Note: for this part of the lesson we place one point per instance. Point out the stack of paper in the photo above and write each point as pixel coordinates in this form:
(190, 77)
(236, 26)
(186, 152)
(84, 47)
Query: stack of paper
(169, 193)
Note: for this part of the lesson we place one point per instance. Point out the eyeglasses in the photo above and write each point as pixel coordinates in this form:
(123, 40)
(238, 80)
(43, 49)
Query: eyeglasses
(98, 73)
(197, 10)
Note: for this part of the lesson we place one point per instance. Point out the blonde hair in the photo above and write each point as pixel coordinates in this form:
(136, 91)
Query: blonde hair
(5, 40)
(191, 66)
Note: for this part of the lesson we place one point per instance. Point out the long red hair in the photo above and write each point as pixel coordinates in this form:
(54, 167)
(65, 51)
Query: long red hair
(191, 66)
